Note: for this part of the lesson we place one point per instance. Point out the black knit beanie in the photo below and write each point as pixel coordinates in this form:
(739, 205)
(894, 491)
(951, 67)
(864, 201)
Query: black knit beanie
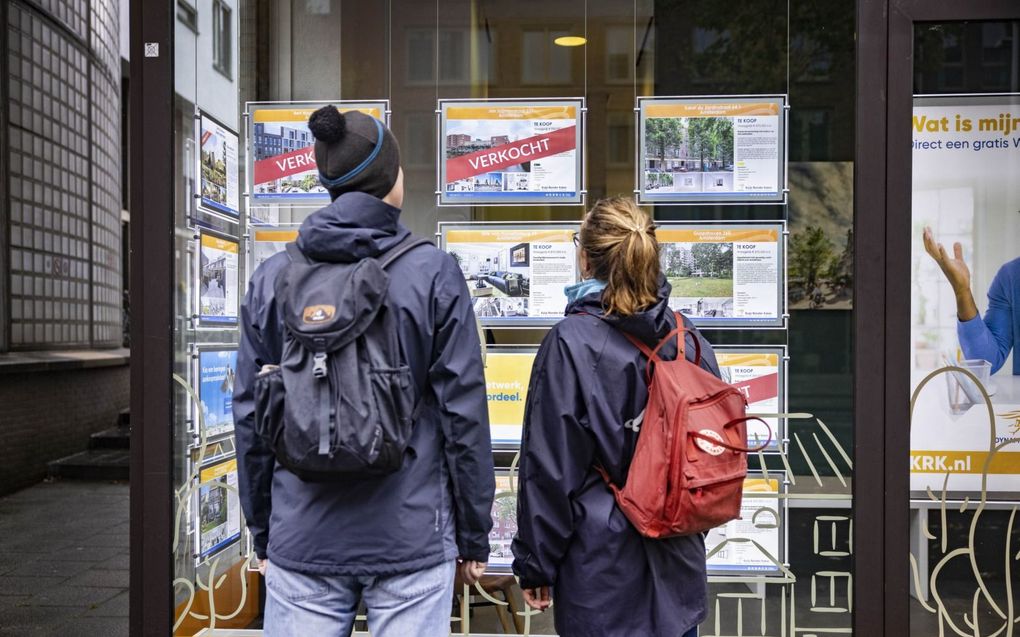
(354, 152)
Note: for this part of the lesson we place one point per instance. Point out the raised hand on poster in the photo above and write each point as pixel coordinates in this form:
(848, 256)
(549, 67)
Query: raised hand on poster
(956, 271)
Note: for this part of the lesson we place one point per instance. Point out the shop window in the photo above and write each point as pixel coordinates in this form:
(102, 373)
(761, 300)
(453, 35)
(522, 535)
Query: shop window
(419, 141)
(454, 56)
(619, 54)
(222, 38)
(996, 47)
(620, 140)
(187, 14)
(542, 60)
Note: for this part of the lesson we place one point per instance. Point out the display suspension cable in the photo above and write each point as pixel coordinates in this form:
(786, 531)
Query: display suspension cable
(586, 47)
(437, 53)
(634, 36)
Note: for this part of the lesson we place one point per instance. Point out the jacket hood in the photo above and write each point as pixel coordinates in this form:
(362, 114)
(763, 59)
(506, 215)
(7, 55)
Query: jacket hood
(649, 325)
(354, 227)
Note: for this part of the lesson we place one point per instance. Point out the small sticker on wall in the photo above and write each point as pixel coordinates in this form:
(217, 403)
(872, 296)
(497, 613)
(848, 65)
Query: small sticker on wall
(152, 49)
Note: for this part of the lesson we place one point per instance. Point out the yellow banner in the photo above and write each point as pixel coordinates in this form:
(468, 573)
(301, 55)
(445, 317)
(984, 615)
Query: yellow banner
(718, 109)
(506, 386)
(761, 485)
(1003, 462)
(511, 112)
(716, 235)
(275, 235)
(217, 471)
(301, 115)
(210, 241)
(516, 235)
(757, 359)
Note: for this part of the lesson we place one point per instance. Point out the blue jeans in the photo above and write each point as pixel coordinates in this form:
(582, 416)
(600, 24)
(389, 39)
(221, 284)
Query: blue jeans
(416, 603)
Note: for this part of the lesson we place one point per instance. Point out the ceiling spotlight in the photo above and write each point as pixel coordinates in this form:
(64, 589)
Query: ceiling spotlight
(570, 40)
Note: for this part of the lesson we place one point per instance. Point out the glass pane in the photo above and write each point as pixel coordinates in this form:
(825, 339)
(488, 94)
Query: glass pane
(965, 431)
(787, 565)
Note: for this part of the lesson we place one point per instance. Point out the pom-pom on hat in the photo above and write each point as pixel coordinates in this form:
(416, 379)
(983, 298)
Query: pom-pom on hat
(354, 152)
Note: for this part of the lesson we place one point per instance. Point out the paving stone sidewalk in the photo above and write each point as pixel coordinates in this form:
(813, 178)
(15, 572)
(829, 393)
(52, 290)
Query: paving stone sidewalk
(64, 560)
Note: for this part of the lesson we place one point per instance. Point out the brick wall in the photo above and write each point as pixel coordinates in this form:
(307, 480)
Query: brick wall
(46, 415)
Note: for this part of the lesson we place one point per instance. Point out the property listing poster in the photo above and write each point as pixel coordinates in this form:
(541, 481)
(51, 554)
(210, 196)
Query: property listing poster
(216, 369)
(757, 375)
(219, 510)
(504, 524)
(219, 177)
(510, 152)
(282, 150)
(516, 275)
(507, 374)
(752, 543)
(267, 242)
(218, 279)
(966, 160)
(725, 275)
(712, 149)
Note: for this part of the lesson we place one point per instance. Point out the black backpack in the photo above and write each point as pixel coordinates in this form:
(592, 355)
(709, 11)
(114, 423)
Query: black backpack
(342, 400)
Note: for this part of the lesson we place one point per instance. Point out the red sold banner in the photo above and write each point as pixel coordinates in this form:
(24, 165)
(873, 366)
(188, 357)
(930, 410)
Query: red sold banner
(512, 154)
(280, 166)
(759, 389)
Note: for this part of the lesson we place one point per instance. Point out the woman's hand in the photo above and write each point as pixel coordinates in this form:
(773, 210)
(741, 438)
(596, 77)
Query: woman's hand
(537, 598)
(471, 571)
(957, 273)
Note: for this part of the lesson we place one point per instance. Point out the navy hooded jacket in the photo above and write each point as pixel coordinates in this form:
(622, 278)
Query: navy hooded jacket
(587, 382)
(438, 506)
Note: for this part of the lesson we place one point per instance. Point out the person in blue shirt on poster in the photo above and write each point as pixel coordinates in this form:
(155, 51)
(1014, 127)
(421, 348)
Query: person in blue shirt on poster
(993, 337)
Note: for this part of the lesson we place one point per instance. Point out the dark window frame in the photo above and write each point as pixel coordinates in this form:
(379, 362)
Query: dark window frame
(223, 38)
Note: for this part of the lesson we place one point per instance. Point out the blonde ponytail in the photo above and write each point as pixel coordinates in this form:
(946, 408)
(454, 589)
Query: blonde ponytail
(619, 241)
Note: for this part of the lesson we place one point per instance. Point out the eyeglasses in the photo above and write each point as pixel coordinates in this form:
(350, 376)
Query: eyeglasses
(577, 240)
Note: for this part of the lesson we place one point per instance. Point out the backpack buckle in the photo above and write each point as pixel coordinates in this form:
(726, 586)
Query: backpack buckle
(319, 365)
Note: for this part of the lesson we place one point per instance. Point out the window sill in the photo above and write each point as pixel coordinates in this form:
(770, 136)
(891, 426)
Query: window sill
(22, 362)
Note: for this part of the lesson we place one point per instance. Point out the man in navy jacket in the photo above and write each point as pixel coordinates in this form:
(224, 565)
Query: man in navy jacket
(393, 541)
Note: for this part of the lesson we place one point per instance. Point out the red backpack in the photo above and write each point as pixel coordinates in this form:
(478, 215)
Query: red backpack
(687, 474)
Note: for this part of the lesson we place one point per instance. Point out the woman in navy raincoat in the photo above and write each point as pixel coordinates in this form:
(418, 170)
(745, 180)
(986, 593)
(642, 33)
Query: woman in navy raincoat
(585, 403)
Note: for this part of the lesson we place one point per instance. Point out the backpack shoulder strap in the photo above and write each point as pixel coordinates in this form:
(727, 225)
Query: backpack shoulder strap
(402, 248)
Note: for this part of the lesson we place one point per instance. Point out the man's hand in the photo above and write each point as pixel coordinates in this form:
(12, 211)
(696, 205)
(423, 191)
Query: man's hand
(538, 598)
(263, 564)
(957, 273)
(471, 571)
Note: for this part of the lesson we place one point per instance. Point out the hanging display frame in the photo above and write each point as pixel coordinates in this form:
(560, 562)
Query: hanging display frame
(501, 292)
(202, 203)
(506, 391)
(723, 188)
(705, 301)
(296, 158)
(751, 387)
(215, 240)
(542, 142)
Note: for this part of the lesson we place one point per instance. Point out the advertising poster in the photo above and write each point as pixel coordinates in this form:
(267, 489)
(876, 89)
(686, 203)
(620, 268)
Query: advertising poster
(282, 153)
(216, 369)
(510, 152)
(220, 185)
(267, 242)
(219, 510)
(712, 149)
(758, 374)
(753, 543)
(218, 279)
(507, 374)
(725, 275)
(504, 524)
(516, 274)
(966, 159)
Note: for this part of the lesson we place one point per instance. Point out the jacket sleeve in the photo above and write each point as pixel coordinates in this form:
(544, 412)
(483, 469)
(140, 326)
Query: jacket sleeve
(556, 455)
(457, 378)
(260, 345)
(991, 338)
